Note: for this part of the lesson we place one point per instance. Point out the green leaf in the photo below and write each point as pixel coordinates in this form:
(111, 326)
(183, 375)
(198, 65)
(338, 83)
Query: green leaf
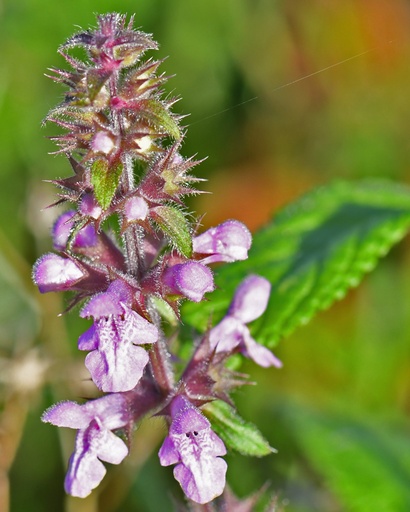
(77, 227)
(312, 253)
(365, 462)
(155, 112)
(173, 223)
(96, 79)
(238, 435)
(105, 180)
(165, 310)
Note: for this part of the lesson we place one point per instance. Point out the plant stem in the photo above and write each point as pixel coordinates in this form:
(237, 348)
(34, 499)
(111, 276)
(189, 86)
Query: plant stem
(159, 359)
(133, 239)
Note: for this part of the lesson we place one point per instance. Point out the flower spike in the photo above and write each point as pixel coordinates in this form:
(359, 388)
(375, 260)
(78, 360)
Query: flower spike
(128, 251)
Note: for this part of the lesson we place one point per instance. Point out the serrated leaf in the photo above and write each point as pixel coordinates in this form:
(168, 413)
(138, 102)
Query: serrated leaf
(237, 434)
(160, 118)
(165, 310)
(105, 180)
(312, 252)
(174, 224)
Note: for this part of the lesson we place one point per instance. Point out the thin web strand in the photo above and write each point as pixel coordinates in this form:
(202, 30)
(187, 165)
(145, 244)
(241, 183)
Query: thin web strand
(293, 82)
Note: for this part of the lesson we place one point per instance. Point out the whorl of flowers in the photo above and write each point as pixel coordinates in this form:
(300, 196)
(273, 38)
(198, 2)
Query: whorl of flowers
(122, 141)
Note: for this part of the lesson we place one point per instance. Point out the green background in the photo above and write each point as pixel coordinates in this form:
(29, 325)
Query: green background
(283, 96)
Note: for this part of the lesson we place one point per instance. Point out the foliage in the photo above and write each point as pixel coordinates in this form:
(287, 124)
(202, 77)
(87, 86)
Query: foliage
(314, 251)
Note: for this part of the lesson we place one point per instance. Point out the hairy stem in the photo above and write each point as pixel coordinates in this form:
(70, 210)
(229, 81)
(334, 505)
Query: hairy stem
(133, 238)
(160, 359)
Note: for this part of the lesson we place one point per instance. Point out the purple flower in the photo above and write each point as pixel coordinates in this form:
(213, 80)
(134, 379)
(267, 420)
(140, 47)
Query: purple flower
(250, 301)
(53, 273)
(86, 237)
(95, 442)
(115, 362)
(229, 241)
(190, 279)
(196, 449)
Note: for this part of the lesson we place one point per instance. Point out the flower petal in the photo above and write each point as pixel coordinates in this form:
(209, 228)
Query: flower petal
(137, 329)
(84, 474)
(226, 335)
(117, 364)
(116, 370)
(88, 340)
(85, 470)
(203, 481)
(258, 353)
(167, 453)
(111, 410)
(67, 414)
(229, 241)
(250, 299)
(113, 450)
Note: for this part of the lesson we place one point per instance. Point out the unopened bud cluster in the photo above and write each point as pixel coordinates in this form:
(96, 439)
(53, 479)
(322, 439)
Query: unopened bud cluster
(122, 141)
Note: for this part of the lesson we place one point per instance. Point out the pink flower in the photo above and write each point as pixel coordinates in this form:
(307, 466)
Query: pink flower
(229, 241)
(115, 362)
(95, 441)
(196, 449)
(190, 279)
(53, 273)
(136, 208)
(249, 302)
(86, 236)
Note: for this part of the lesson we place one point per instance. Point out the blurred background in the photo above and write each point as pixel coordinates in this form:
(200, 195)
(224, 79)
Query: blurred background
(283, 95)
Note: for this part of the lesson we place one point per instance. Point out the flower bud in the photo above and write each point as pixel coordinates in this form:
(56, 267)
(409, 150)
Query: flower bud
(53, 273)
(86, 236)
(135, 208)
(103, 142)
(190, 279)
